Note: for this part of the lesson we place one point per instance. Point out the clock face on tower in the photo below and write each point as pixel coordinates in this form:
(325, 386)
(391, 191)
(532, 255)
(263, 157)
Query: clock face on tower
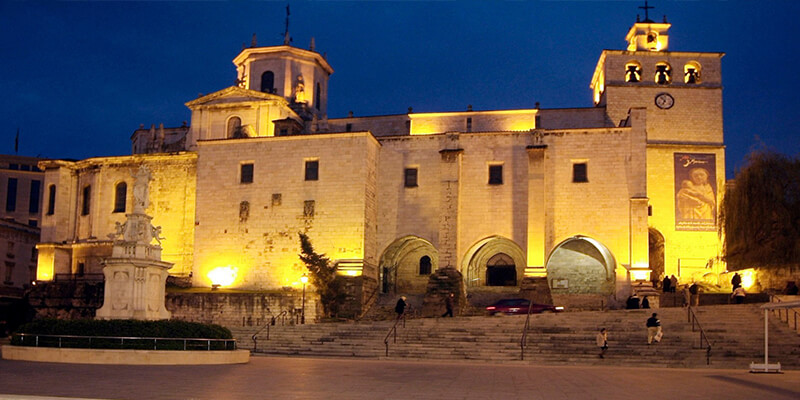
(664, 101)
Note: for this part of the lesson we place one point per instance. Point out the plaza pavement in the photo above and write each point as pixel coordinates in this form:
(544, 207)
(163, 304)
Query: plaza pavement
(315, 378)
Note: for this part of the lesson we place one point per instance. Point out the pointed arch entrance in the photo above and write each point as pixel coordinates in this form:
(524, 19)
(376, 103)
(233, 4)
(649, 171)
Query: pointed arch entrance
(406, 265)
(494, 261)
(581, 265)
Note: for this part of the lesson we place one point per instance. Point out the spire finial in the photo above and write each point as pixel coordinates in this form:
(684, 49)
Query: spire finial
(312, 46)
(287, 40)
(646, 9)
(253, 41)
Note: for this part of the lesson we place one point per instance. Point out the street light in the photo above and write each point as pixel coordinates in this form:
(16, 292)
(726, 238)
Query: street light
(303, 279)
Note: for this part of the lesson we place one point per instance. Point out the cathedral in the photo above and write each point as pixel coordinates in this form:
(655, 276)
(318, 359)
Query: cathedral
(596, 201)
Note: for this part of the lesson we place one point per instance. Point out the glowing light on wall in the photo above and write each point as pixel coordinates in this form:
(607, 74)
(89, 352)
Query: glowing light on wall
(45, 265)
(222, 276)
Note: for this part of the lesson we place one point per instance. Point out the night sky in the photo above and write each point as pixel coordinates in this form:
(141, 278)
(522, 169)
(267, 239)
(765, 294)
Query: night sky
(79, 77)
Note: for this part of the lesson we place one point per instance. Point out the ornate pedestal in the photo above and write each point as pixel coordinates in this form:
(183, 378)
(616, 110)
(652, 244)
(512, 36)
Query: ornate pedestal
(135, 275)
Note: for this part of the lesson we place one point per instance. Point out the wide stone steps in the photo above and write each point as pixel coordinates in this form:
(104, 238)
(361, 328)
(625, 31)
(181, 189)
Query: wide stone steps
(735, 331)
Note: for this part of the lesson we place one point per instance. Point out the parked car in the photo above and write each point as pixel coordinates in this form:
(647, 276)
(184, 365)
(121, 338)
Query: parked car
(520, 306)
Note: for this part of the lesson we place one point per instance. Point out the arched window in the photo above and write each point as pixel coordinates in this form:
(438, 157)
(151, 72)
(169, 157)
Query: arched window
(268, 82)
(317, 96)
(87, 199)
(425, 265)
(691, 73)
(663, 73)
(120, 196)
(234, 127)
(633, 72)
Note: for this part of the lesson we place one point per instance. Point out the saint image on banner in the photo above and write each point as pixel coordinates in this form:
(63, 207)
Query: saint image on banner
(695, 192)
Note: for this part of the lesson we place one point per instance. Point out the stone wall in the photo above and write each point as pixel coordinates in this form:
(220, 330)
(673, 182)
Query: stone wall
(240, 310)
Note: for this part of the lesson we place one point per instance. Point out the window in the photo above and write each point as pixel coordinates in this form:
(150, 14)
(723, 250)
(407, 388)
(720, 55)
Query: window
(317, 96)
(87, 198)
(9, 273)
(425, 265)
(32, 222)
(308, 208)
(495, 174)
(312, 170)
(348, 128)
(691, 73)
(276, 199)
(234, 127)
(244, 211)
(579, 173)
(283, 132)
(10, 249)
(51, 200)
(537, 121)
(120, 197)
(410, 177)
(268, 82)
(81, 269)
(33, 200)
(663, 73)
(11, 195)
(633, 72)
(469, 124)
(246, 173)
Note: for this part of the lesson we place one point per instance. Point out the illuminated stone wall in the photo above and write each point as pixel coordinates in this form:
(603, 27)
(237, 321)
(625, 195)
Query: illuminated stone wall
(70, 238)
(253, 227)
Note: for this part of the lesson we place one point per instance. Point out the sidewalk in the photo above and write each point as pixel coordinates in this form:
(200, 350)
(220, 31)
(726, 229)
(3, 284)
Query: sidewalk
(310, 378)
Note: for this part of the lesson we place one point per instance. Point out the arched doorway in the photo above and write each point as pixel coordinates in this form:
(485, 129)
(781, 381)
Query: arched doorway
(656, 254)
(406, 265)
(494, 261)
(501, 271)
(581, 265)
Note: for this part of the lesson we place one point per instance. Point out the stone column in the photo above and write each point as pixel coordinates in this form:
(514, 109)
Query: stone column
(449, 207)
(536, 252)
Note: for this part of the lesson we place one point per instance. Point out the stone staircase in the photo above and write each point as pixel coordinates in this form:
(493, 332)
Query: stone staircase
(735, 331)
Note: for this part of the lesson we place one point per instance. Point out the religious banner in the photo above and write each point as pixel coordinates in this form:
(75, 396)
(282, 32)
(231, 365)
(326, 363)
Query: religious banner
(695, 192)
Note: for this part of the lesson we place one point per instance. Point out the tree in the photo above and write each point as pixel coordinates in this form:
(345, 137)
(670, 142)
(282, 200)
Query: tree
(323, 276)
(760, 213)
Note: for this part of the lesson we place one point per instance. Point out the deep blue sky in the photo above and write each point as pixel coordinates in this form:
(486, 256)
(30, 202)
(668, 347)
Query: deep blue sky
(77, 78)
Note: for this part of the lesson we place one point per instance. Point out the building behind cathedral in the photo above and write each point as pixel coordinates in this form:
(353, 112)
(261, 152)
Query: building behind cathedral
(595, 200)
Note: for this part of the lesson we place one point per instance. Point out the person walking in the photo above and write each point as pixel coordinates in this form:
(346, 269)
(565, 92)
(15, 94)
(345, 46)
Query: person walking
(602, 341)
(666, 285)
(687, 296)
(448, 305)
(400, 307)
(653, 329)
(695, 292)
(673, 285)
(738, 295)
(736, 281)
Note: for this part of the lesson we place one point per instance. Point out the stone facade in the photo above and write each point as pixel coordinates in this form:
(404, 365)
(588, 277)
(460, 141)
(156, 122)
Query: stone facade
(589, 200)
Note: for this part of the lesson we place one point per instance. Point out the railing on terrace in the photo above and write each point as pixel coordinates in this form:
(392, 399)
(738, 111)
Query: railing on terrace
(783, 314)
(79, 277)
(272, 321)
(121, 342)
(703, 337)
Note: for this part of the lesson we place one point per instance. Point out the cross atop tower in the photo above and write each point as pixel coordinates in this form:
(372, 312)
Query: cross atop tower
(646, 8)
(287, 40)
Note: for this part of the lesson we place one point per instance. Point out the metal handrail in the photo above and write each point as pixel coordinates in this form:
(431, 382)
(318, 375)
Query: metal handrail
(272, 321)
(363, 313)
(775, 299)
(523, 341)
(393, 330)
(692, 318)
(122, 339)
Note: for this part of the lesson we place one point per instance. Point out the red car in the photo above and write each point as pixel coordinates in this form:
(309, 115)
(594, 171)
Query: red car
(520, 306)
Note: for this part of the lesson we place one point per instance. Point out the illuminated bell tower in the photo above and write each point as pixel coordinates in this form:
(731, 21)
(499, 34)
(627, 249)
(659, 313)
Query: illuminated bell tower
(298, 75)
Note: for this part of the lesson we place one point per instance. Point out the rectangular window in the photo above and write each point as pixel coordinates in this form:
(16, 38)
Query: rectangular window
(11, 195)
(308, 208)
(410, 177)
(537, 121)
(579, 172)
(312, 170)
(348, 128)
(495, 174)
(33, 202)
(87, 199)
(32, 222)
(276, 199)
(51, 200)
(469, 124)
(246, 173)
(283, 132)
(9, 273)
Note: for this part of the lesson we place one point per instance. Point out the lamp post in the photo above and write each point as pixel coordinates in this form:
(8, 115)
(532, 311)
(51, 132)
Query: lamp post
(303, 279)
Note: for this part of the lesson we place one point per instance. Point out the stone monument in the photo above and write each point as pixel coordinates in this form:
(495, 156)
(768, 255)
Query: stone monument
(135, 275)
